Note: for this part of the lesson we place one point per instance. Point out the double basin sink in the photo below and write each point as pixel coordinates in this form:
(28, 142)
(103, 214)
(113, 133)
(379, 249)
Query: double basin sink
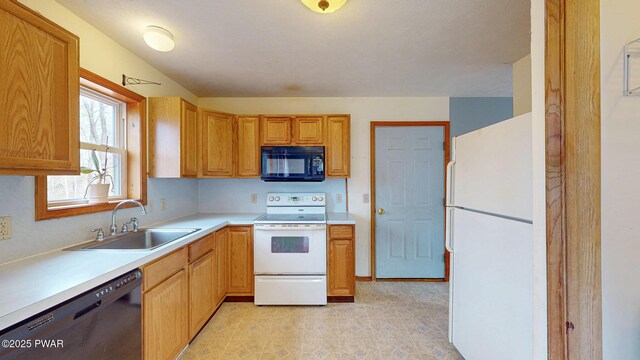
(143, 239)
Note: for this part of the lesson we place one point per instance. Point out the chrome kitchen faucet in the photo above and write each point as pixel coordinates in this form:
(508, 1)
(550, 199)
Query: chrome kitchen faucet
(114, 227)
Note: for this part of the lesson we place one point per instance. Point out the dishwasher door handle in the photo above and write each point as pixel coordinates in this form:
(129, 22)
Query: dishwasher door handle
(87, 310)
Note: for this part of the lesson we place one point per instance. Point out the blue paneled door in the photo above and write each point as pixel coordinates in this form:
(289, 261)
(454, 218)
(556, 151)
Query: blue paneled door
(409, 178)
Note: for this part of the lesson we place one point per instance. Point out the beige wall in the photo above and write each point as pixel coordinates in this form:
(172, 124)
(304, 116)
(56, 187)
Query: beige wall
(363, 111)
(620, 196)
(522, 86)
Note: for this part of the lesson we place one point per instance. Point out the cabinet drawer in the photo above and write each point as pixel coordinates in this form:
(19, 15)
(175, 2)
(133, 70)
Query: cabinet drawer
(201, 247)
(341, 232)
(162, 269)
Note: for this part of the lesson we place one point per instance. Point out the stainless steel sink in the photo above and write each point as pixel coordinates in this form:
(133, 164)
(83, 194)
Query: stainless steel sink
(144, 239)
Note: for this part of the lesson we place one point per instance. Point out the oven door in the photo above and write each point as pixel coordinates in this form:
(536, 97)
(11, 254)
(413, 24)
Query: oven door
(299, 249)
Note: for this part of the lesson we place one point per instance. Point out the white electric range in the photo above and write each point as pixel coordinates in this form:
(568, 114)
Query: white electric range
(290, 250)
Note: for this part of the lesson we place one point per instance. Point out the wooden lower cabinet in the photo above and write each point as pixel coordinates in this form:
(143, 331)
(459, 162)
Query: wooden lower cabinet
(222, 251)
(240, 260)
(202, 287)
(341, 277)
(165, 318)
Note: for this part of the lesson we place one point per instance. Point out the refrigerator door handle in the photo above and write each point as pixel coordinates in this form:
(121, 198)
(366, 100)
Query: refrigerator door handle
(448, 231)
(449, 189)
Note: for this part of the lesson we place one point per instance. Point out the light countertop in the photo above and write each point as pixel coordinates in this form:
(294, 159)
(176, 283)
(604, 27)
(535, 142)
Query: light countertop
(340, 218)
(36, 283)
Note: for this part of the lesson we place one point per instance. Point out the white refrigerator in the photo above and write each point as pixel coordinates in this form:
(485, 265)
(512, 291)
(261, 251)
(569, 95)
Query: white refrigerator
(489, 234)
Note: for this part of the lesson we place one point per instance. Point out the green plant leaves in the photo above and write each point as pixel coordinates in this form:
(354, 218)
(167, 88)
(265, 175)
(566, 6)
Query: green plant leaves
(96, 162)
(86, 170)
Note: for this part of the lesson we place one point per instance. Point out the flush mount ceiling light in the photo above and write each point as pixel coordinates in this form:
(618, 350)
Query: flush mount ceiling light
(324, 6)
(159, 38)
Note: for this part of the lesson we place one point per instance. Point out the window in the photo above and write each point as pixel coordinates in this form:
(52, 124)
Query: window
(103, 129)
(112, 123)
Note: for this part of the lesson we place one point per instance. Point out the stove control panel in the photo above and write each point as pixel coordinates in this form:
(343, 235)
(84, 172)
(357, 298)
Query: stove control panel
(296, 199)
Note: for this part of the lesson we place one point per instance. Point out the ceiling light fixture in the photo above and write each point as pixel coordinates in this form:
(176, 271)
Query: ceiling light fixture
(324, 6)
(159, 38)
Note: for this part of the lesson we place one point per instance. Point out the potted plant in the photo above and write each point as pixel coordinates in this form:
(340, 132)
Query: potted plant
(97, 191)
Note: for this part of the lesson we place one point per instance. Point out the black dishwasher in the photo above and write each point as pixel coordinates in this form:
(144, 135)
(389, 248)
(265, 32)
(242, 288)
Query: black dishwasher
(102, 324)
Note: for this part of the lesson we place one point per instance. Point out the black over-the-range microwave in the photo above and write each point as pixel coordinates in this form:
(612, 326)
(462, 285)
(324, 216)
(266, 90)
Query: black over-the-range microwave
(292, 163)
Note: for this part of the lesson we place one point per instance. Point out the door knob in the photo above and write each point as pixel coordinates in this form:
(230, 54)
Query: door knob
(381, 211)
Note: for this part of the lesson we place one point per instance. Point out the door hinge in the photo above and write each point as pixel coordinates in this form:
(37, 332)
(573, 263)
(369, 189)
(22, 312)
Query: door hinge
(444, 201)
(570, 326)
(444, 146)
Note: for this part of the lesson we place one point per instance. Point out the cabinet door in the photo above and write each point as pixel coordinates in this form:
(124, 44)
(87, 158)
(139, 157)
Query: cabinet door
(188, 140)
(276, 130)
(222, 262)
(338, 151)
(39, 95)
(241, 260)
(341, 272)
(248, 146)
(201, 292)
(166, 318)
(217, 144)
(308, 130)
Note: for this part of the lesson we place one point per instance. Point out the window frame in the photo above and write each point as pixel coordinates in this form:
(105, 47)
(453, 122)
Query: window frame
(120, 147)
(135, 168)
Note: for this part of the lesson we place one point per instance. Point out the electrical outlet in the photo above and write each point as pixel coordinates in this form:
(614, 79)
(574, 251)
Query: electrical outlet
(365, 198)
(163, 204)
(5, 227)
(338, 198)
(254, 198)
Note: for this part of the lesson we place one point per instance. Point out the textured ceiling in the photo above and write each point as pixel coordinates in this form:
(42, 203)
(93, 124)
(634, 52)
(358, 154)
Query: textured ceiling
(368, 48)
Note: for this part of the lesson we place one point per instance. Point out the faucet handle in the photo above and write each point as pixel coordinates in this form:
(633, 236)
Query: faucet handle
(99, 235)
(134, 223)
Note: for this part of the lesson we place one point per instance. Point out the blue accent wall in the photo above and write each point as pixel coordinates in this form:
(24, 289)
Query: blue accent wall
(467, 114)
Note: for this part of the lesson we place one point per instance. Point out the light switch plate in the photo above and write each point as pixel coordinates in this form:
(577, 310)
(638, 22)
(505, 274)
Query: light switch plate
(163, 204)
(338, 198)
(365, 198)
(5, 227)
(254, 198)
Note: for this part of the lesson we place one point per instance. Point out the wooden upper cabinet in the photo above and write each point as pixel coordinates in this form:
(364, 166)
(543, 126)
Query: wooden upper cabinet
(39, 94)
(248, 149)
(308, 130)
(338, 146)
(173, 124)
(189, 140)
(217, 144)
(276, 130)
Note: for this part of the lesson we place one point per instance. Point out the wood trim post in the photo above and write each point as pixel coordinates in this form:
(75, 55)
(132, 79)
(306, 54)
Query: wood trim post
(572, 61)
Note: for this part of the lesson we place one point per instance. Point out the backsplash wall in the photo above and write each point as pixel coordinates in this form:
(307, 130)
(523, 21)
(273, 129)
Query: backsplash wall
(32, 237)
(234, 195)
